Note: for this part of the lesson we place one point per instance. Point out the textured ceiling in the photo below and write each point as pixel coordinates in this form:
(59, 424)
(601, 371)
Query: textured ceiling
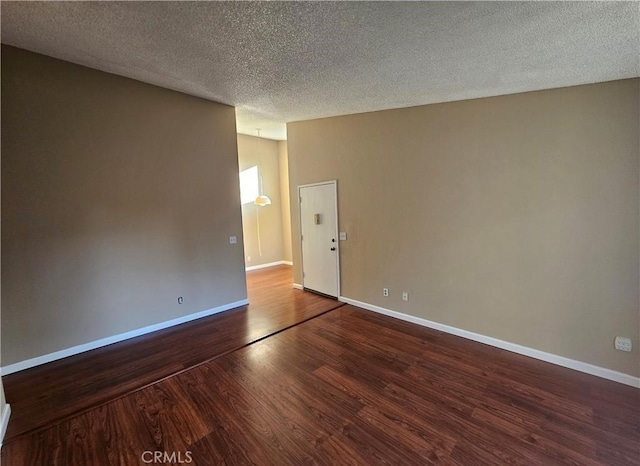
(279, 61)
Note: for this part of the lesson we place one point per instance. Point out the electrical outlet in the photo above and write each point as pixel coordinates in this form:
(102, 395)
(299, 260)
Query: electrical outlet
(623, 344)
(405, 296)
(180, 300)
(233, 240)
(385, 292)
(248, 258)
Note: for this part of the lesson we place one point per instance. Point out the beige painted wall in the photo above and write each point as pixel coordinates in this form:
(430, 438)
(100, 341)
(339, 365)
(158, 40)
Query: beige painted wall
(263, 153)
(283, 159)
(117, 197)
(515, 217)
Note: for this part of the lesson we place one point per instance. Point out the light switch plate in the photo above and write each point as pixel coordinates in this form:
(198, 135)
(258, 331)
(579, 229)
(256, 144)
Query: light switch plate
(343, 236)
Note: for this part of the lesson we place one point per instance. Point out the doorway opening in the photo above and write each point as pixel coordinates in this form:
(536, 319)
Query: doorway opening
(264, 192)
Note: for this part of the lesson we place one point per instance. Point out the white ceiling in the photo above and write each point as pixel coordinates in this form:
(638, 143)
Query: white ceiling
(285, 61)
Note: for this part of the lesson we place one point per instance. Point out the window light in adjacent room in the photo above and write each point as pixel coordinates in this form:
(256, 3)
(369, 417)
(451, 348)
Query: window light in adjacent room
(249, 185)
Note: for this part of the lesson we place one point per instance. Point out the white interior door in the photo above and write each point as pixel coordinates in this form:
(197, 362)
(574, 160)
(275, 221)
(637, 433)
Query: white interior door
(319, 230)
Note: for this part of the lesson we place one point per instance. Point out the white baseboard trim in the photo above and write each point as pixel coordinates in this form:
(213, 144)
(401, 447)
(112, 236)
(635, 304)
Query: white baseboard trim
(264, 266)
(4, 422)
(524, 350)
(22, 365)
(298, 286)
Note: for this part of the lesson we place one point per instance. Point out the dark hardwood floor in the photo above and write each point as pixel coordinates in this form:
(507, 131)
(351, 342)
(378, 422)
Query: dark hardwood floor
(49, 393)
(354, 387)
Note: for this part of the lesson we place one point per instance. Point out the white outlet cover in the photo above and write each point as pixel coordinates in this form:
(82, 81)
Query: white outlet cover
(233, 240)
(623, 344)
(343, 236)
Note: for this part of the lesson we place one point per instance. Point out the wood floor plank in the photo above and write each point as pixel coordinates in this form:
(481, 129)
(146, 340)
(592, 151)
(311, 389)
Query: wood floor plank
(407, 434)
(530, 435)
(457, 425)
(351, 387)
(295, 390)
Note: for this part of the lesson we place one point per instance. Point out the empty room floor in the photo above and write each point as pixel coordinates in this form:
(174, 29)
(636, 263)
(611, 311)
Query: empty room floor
(353, 387)
(49, 393)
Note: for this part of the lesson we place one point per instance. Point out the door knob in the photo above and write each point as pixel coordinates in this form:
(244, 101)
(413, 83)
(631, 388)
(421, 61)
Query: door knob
(333, 249)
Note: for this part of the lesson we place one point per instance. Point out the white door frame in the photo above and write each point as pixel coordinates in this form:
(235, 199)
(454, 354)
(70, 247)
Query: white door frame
(337, 234)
